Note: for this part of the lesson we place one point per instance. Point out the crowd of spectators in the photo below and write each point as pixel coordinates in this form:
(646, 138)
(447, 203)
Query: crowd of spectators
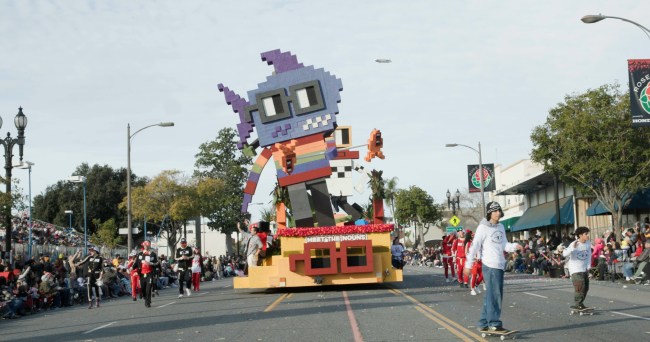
(48, 282)
(43, 233)
(625, 260)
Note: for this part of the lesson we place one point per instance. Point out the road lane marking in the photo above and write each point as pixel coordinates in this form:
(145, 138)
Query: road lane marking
(289, 296)
(536, 295)
(443, 324)
(353, 321)
(162, 306)
(442, 317)
(276, 302)
(102, 327)
(628, 315)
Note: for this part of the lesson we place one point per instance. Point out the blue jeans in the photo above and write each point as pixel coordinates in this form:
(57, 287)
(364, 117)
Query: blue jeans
(493, 278)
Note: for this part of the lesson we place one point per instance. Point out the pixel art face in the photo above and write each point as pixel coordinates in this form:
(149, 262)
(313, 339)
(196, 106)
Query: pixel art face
(294, 102)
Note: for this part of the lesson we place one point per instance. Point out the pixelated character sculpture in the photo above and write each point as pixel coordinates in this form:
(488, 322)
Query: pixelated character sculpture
(294, 113)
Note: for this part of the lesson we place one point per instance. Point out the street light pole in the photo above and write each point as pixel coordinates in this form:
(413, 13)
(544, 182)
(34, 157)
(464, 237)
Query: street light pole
(69, 218)
(8, 143)
(590, 19)
(129, 136)
(28, 165)
(82, 179)
(480, 169)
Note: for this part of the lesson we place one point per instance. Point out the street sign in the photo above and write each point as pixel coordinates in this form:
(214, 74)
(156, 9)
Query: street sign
(454, 220)
(453, 229)
(125, 231)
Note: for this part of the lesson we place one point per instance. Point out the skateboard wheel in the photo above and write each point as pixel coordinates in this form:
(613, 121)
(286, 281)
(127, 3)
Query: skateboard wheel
(483, 335)
(503, 338)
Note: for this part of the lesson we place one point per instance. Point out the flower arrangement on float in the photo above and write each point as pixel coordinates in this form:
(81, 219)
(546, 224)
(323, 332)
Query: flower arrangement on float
(335, 230)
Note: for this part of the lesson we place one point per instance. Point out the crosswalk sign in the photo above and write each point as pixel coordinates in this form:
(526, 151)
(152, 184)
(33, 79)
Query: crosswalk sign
(454, 220)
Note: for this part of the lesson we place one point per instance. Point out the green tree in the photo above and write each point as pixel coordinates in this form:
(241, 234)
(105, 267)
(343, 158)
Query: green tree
(588, 141)
(416, 207)
(105, 189)
(106, 234)
(167, 197)
(220, 159)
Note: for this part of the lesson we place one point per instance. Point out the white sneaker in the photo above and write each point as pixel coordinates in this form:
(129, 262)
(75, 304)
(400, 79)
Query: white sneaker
(188, 292)
(473, 293)
(477, 290)
(447, 280)
(180, 296)
(484, 287)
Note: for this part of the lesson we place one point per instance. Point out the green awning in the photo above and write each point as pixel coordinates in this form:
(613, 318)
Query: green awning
(509, 222)
(544, 215)
(640, 200)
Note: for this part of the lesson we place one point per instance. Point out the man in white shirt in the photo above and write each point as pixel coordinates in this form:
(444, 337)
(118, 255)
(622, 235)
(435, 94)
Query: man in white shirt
(579, 261)
(489, 246)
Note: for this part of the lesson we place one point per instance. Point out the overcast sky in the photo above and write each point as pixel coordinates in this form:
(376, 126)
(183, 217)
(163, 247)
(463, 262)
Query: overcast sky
(461, 71)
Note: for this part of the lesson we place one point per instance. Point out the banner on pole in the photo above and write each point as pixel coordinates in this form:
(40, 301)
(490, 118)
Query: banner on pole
(639, 71)
(474, 179)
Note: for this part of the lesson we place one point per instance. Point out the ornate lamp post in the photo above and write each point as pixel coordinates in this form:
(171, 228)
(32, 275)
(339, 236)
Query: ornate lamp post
(128, 177)
(454, 202)
(480, 169)
(28, 165)
(8, 143)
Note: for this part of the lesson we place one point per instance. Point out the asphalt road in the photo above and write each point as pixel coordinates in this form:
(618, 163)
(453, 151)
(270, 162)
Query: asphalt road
(422, 308)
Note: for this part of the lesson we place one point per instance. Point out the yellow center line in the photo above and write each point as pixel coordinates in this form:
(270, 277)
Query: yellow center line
(440, 316)
(276, 302)
(445, 325)
(289, 296)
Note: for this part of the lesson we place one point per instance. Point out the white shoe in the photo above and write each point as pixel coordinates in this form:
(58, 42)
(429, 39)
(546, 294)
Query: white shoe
(188, 292)
(180, 296)
(477, 290)
(447, 280)
(473, 293)
(484, 287)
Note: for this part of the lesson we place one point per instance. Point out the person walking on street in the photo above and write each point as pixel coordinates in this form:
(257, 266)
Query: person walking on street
(459, 250)
(135, 276)
(447, 255)
(197, 263)
(146, 263)
(94, 273)
(184, 259)
(579, 262)
(489, 245)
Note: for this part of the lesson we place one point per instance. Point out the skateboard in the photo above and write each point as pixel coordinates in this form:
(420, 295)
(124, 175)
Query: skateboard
(502, 335)
(585, 311)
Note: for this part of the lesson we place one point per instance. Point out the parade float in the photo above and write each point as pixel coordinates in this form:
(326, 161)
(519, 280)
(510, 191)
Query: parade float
(294, 115)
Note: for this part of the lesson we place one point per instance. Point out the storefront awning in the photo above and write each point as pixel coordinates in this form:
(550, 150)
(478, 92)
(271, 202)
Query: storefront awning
(640, 200)
(544, 215)
(509, 222)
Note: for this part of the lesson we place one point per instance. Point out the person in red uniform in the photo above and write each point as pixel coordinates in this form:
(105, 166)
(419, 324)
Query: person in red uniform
(476, 277)
(135, 277)
(459, 250)
(146, 262)
(447, 255)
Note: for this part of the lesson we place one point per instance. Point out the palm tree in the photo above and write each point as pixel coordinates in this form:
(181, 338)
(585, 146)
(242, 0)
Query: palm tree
(390, 192)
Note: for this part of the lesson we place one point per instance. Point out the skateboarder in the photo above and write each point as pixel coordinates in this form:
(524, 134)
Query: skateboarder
(489, 246)
(579, 260)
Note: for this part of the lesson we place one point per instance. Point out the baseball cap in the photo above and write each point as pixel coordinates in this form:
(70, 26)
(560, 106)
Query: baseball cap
(183, 240)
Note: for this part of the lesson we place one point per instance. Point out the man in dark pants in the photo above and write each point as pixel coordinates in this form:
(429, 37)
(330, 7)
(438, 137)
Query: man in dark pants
(147, 261)
(184, 259)
(95, 271)
(578, 254)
